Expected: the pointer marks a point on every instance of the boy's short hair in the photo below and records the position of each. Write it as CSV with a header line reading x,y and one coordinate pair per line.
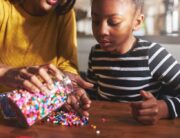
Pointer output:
x,y
139,5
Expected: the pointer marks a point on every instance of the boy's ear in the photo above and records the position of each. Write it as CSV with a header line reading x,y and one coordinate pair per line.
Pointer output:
x,y
138,22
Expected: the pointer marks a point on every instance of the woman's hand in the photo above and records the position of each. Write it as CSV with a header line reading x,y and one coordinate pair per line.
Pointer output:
x,y
78,100
31,78
78,81
150,110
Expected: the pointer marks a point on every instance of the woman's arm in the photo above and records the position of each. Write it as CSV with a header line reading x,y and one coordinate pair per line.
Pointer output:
x,y
1,12
67,44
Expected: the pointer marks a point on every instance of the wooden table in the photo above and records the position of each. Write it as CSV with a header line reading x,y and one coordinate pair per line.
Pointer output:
x,y
112,120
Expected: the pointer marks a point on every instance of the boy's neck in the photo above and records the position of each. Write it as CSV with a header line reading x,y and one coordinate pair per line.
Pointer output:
x,y
128,45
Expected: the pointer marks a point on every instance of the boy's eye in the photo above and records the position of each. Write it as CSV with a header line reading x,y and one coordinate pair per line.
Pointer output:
x,y
114,22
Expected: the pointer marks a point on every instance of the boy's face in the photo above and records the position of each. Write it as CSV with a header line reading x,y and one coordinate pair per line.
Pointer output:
x,y
113,23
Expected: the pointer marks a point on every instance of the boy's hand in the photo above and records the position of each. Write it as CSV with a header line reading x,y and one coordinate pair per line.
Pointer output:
x,y
150,110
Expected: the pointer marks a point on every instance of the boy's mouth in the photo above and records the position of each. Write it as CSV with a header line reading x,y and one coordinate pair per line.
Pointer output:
x,y
105,43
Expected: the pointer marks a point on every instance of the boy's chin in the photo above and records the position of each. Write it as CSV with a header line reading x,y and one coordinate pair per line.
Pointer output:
x,y
108,49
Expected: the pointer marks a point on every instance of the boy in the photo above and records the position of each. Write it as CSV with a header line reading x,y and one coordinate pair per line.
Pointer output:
x,y
127,69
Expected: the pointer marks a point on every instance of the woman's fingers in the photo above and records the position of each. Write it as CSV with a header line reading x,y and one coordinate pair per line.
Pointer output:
x,y
78,81
46,73
82,83
32,82
79,102
42,74
30,86
55,72
73,102
37,78
34,79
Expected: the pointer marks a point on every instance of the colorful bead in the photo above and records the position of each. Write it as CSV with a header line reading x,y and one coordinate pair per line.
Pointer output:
x,y
98,132
67,119
31,107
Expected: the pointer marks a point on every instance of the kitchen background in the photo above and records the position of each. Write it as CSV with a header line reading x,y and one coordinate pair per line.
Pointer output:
x,y
162,25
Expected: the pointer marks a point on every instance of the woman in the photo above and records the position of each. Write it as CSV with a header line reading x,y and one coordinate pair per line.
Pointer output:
x,y
37,40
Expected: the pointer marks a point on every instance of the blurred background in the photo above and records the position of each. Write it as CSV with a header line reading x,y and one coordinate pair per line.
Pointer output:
x,y
162,25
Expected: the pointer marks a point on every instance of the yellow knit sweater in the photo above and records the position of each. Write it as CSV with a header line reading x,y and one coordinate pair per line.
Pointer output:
x,y
27,40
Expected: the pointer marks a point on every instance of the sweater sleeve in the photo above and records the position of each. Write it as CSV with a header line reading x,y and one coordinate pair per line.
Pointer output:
x,y
67,47
2,11
167,70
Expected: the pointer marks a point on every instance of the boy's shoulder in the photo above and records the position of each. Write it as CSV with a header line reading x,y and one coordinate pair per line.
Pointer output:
x,y
140,45
95,47
146,44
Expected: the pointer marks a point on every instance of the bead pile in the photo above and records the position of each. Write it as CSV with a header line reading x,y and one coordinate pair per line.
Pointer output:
x,y
67,119
31,107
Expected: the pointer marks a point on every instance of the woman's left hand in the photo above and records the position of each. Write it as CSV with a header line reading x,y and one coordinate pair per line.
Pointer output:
x,y
78,100
150,110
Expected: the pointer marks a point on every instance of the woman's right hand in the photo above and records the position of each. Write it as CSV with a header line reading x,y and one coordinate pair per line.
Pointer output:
x,y
31,78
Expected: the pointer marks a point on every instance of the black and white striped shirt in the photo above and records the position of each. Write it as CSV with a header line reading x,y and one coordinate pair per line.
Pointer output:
x,y
147,66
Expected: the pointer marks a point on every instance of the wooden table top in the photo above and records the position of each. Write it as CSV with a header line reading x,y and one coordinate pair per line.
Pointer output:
x,y
112,120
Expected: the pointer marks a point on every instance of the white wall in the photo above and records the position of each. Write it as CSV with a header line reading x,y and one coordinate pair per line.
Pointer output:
x,y
174,49
85,44
84,47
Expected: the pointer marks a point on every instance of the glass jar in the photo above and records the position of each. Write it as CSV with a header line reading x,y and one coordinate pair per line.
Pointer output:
x,y
29,107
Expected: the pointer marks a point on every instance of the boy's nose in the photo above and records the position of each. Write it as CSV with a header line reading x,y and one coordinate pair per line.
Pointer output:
x,y
103,29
